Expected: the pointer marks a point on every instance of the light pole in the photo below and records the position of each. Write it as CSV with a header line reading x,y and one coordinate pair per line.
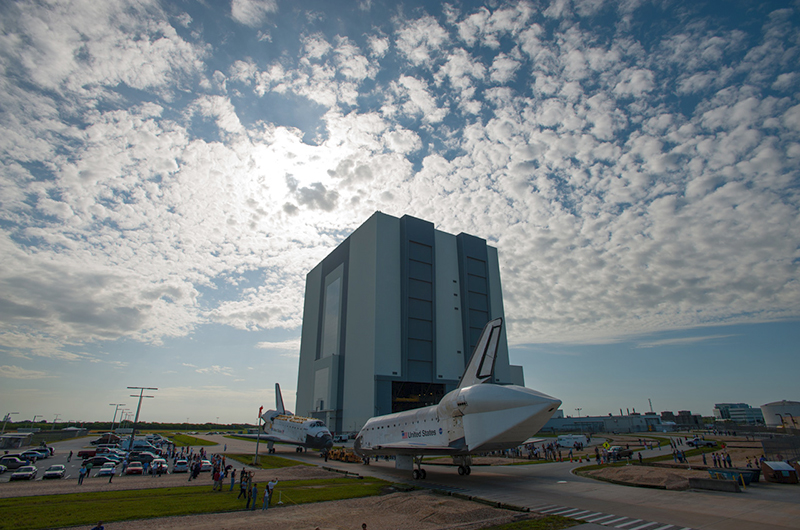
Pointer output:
x,y
5,420
33,421
580,425
54,422
141,395
258,436
116,408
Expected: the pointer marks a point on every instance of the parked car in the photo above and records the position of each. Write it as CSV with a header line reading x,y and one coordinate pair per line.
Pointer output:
x,y
55,471
12,462
109,468
134,468
25,473
699,442
159,463
205,465
98,461
87,453
181,466
142,456
33,455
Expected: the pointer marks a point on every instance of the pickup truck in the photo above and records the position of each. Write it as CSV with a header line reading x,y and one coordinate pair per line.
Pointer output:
x,y
699,442
618,452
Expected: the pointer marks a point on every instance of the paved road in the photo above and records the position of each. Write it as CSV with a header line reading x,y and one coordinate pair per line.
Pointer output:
x,y
552,488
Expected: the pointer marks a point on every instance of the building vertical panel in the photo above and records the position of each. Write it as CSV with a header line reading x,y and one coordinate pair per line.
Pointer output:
x,y
473,269
450,352
308,342
417,273
361,352
502,374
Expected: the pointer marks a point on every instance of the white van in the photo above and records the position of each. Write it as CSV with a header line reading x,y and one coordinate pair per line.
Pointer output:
x,y
569,440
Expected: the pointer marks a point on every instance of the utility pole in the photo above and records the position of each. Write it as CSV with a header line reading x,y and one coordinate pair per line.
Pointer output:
x,y
5,420
34,419
54,422
117,406
141,395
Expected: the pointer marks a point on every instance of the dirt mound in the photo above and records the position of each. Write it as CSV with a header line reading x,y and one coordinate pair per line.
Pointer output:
x,y
671,479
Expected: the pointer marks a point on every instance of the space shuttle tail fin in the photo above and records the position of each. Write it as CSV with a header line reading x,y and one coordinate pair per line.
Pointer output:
x,y
481,365
279,400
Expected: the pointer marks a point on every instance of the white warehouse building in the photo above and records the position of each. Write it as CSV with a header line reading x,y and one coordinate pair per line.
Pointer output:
x,y
782,414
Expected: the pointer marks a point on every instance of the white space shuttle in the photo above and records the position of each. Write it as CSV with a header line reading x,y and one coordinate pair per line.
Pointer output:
x,y
284,427
477,416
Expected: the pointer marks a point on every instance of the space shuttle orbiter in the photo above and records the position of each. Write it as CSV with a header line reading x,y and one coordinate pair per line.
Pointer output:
x,y
478,416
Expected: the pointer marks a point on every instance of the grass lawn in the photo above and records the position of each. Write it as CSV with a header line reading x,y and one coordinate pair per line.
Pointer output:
x,y
184,440
266,461
52,511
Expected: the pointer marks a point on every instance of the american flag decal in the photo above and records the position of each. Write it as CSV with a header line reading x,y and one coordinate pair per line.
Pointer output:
x,y
404,434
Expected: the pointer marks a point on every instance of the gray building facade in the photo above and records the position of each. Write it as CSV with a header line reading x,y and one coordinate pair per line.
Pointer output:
x,y
390,319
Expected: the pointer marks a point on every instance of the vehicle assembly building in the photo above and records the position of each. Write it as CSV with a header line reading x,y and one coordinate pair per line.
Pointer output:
x,y
390,319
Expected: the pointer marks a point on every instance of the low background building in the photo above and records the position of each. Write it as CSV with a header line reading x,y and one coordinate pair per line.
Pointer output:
x,y
627,423
738,413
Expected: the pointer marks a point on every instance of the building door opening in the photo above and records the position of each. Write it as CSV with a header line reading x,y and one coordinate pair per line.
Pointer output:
x,y
409,395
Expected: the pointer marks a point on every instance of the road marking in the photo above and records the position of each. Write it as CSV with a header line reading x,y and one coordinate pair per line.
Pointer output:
x,y
599,519
614,521
579,513
623,525
664,527
642,526
588,515
543,506
551,509
565,512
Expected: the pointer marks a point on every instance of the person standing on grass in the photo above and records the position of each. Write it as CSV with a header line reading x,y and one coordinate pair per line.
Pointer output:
x,y
233,478
254,495
268,493
249,499
242,486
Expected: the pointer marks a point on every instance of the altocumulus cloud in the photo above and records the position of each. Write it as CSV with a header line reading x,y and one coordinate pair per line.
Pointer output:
x,y
636,175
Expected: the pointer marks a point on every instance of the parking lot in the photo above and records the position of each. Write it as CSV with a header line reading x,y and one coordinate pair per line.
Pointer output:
x,y
72,467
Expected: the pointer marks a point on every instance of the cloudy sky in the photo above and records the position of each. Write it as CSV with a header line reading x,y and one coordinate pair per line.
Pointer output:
x,y
170,171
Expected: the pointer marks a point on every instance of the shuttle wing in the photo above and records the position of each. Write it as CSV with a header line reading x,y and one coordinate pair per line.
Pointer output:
x,y
481,364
